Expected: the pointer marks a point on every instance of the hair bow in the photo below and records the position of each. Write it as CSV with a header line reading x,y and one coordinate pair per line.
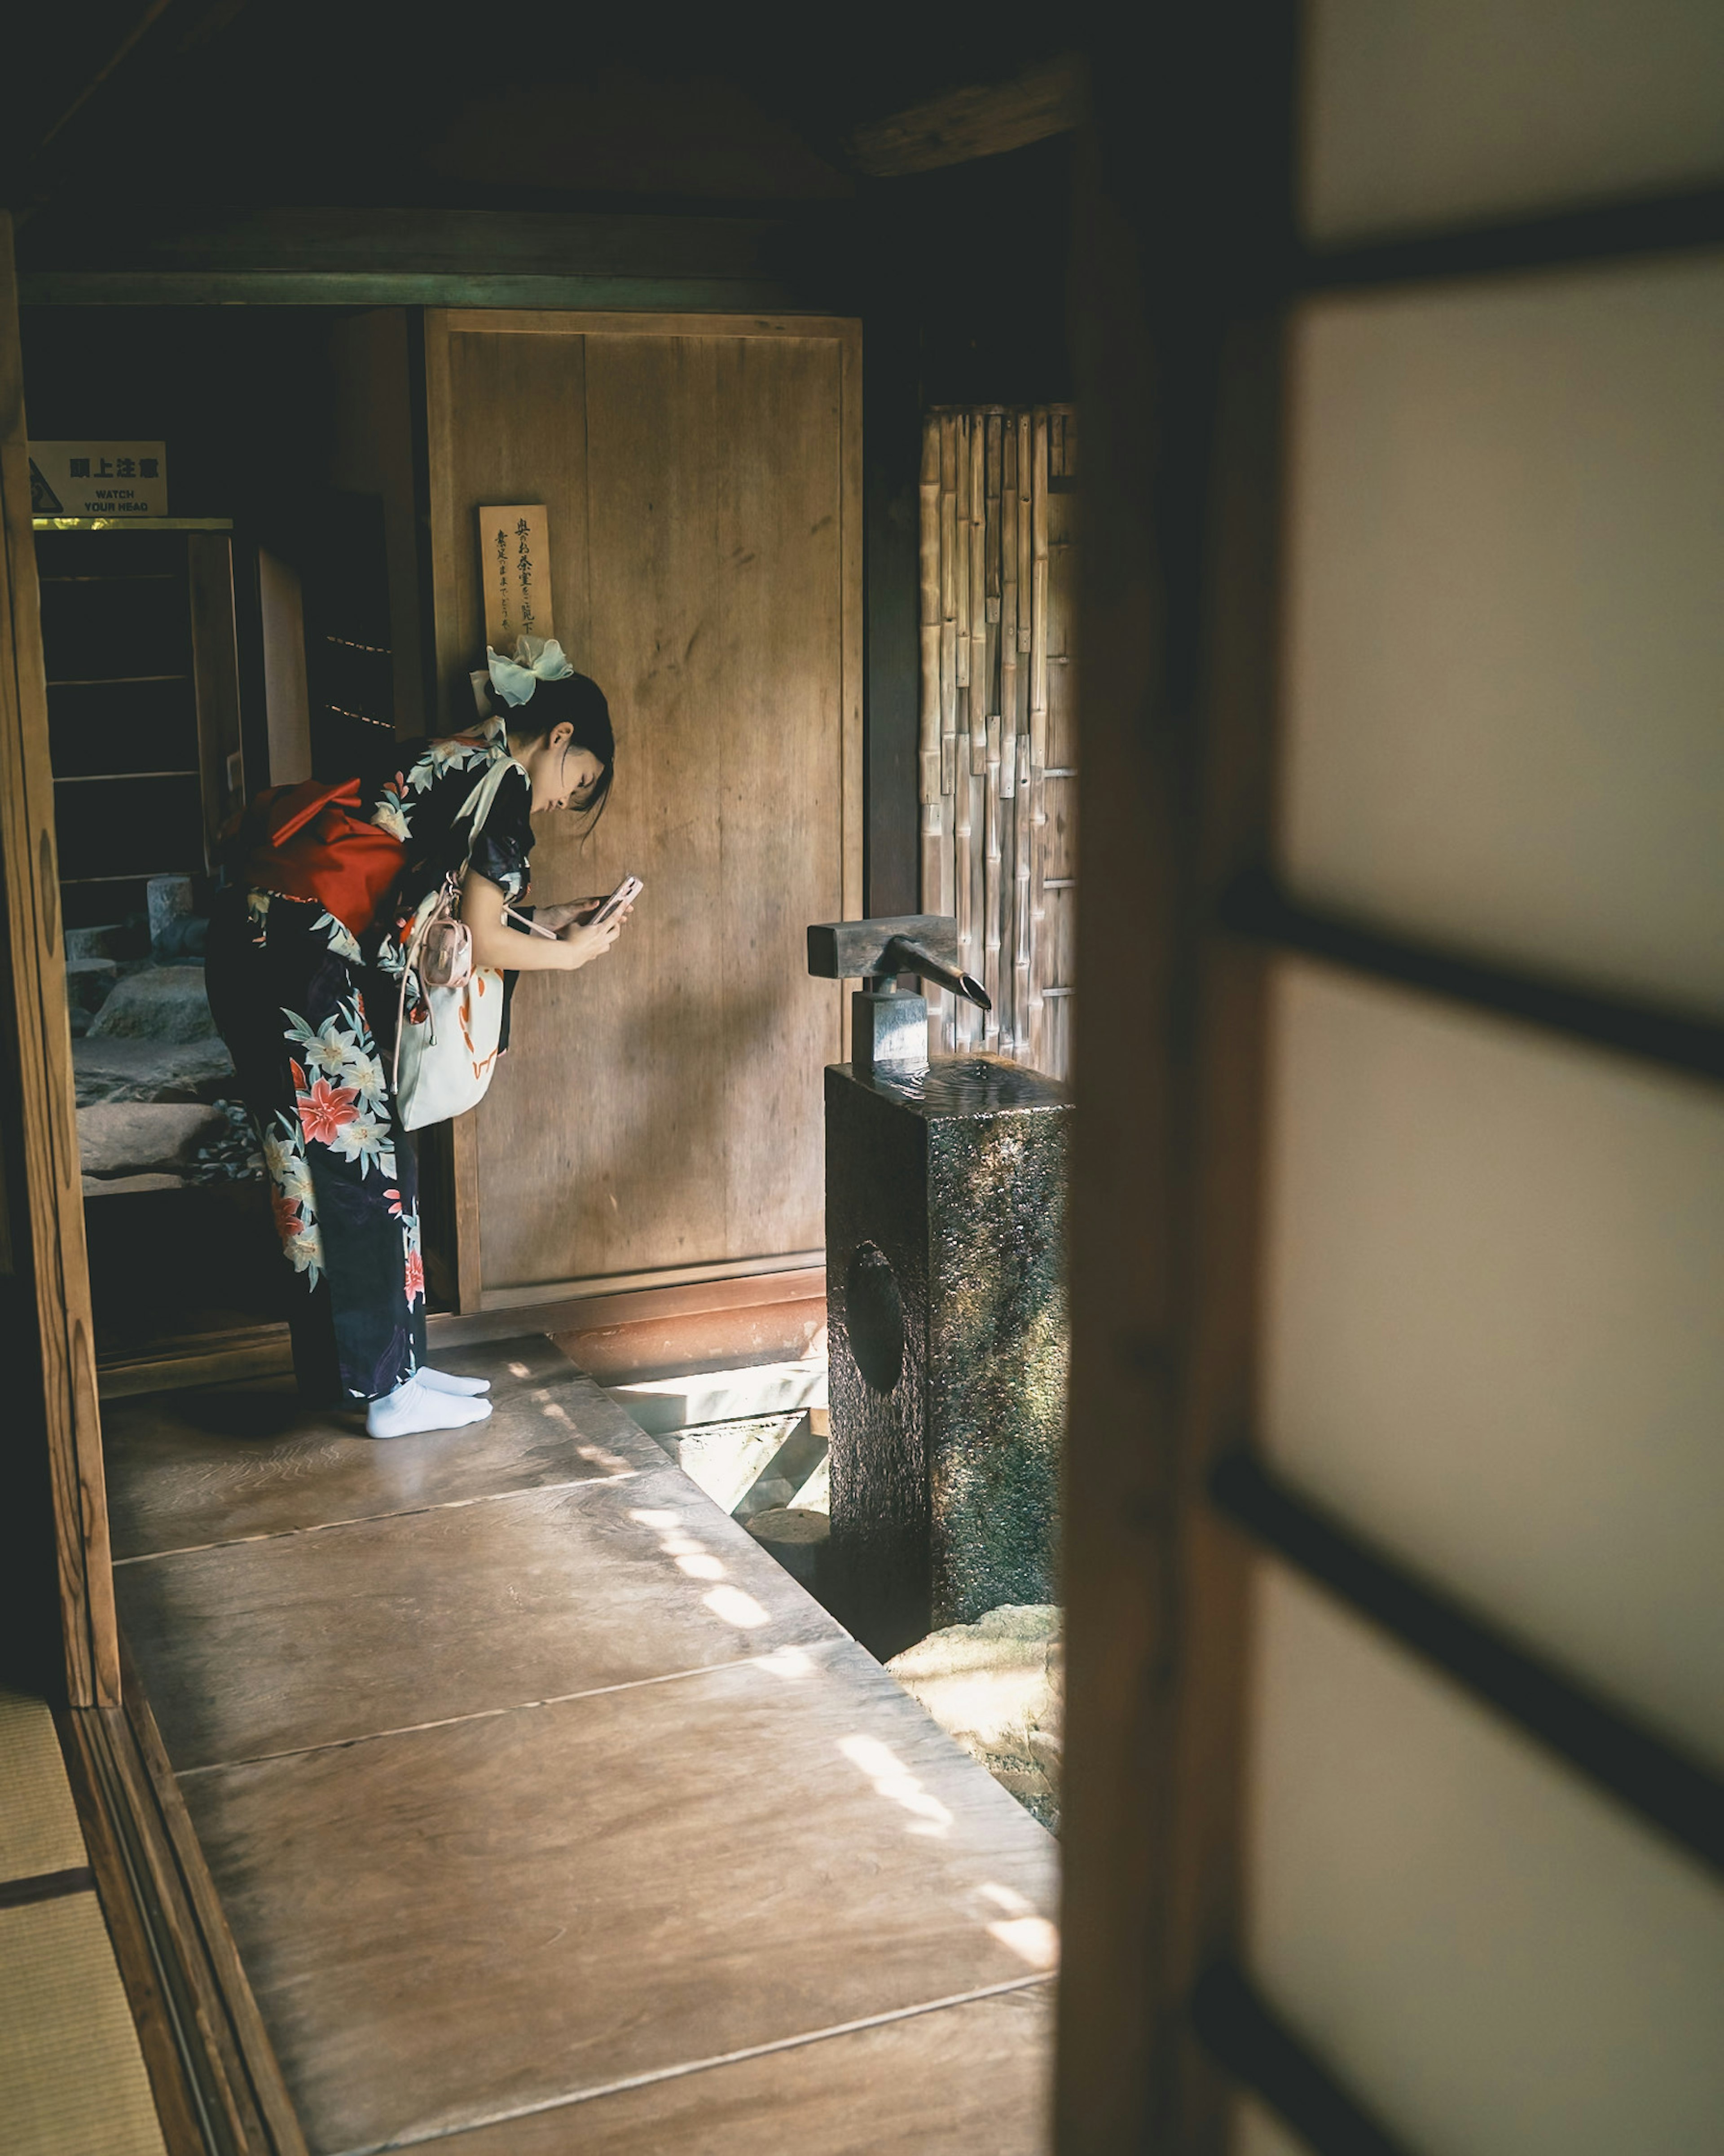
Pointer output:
x,y
535,660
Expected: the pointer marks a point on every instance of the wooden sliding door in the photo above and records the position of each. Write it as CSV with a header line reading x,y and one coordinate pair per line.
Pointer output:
x,y
1395,1809
658,1116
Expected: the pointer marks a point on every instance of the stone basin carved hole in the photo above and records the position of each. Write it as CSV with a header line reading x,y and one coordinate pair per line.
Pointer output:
x,y
874,1314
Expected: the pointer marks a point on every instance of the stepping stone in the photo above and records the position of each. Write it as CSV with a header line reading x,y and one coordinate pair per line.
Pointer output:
x,y
90,943
161,1002
797,1539
90,982
116,1069
130,1138
997,1687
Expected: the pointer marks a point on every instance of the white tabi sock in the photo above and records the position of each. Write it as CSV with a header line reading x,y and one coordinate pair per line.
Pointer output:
x,y
445,1381
412,1406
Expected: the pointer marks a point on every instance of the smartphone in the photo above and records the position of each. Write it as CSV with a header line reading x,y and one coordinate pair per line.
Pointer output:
x,y
625,894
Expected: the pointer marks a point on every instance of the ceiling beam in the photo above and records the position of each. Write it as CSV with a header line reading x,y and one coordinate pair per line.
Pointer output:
x,y
980,120
434,258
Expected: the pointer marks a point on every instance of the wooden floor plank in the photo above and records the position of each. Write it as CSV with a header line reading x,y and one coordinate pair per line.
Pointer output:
x,y
972,2079
255,1648
224,1462
444,1926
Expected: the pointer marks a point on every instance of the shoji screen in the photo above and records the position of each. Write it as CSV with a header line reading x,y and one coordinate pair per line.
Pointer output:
x,y
1494,1309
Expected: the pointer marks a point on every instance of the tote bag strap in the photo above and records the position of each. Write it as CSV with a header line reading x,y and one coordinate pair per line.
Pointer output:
x,y
478,804
475,808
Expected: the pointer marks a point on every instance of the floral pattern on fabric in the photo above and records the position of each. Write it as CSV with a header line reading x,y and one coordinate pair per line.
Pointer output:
x,y
415,1270
390,813
341,938
291,1198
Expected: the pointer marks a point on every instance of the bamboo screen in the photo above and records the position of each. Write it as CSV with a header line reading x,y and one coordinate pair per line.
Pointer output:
x,y
998,734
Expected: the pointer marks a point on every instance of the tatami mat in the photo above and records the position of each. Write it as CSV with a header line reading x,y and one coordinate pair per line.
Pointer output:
x,y
38,1823
72,2080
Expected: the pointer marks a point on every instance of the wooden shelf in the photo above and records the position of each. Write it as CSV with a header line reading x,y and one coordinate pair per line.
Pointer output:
x,y
116,680
113,778
131,876
131,523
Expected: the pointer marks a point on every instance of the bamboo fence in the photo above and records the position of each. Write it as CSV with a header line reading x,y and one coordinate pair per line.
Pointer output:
x,y
997,733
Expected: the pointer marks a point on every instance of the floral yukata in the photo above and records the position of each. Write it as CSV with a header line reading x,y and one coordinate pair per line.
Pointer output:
x,y
308,1009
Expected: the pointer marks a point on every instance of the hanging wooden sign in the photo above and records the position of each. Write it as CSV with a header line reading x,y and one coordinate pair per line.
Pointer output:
x,y
514,568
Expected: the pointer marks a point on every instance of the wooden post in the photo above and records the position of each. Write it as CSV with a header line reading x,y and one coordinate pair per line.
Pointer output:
x,y
1191,159
215,673
929,714
43,1241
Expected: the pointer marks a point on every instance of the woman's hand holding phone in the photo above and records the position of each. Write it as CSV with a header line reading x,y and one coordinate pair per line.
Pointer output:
x,y
589,926
557,917
584,940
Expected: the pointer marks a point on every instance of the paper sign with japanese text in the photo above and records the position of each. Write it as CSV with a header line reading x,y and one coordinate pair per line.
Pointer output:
x,y
98,479
515,565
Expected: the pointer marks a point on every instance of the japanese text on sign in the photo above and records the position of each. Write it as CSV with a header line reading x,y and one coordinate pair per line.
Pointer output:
x,y
515,555
98,479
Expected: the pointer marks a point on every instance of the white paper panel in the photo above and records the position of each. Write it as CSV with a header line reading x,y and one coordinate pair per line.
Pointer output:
x,y
1494,1960
1494,1329
1431,112
1506,664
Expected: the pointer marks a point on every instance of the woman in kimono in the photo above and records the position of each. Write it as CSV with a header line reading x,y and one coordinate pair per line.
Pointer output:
x,y
306,966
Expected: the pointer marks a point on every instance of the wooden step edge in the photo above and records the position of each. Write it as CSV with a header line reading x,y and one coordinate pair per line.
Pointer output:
x,y
265,1351
213,1358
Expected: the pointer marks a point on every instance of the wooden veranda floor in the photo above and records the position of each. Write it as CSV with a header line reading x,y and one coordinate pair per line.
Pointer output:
x,y
548,1814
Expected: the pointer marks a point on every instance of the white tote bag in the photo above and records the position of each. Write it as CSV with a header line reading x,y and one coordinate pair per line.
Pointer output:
x,y
444,1058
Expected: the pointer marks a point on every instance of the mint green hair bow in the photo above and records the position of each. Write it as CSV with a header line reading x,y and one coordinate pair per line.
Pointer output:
x,y
535,660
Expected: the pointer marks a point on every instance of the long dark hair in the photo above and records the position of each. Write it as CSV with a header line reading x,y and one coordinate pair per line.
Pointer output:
x,y
579,702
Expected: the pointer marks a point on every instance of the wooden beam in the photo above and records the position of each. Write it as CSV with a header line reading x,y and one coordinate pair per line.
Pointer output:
x,y
981,120
316,288
1183,195
457,258
423,242
47,1203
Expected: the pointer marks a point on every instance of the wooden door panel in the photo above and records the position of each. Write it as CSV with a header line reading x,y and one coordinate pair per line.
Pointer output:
x,y
660,1111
